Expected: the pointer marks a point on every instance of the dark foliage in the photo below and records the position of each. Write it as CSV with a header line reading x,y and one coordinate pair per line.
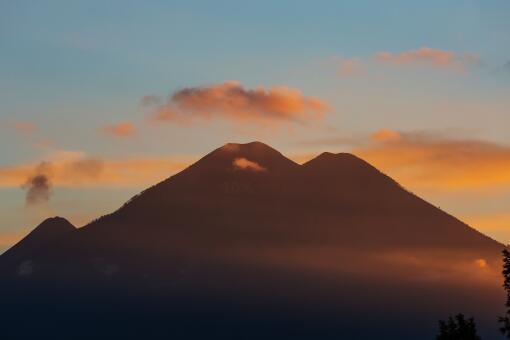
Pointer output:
x,y
505,320
457,328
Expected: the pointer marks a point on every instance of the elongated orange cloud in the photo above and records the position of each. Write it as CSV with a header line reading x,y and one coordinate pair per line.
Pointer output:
x,y
25,127
423,160
231,101
427,56
78,170
123,129
386,135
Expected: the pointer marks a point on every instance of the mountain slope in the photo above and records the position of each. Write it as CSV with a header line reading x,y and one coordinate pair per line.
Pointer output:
x,y
45,236
243,224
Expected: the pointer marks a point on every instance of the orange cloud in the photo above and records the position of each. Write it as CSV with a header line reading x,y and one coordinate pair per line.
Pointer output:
x,y
73,169
25,127
385,135
245,164
231,101
422,160
427,56
123,129
351,67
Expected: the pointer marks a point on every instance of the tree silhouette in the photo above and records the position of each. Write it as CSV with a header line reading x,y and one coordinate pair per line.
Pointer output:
x,y
505,320
457,328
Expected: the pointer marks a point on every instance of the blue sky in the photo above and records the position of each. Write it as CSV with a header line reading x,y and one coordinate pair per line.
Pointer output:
x,y
70,68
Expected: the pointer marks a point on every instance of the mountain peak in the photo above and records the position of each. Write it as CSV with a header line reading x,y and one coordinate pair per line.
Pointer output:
x,y
50,229
44,235
347,169
55,223
252,155
343,159
254,149
249,145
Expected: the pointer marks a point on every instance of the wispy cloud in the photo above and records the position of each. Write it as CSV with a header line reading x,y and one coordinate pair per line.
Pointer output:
x,y
426,56
231,101
434,161
76,169
386,135
439,161
66,165
351,67
123,129
423,57
26,128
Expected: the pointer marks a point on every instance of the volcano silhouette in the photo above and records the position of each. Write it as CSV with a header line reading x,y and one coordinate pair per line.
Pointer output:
x,y
247,244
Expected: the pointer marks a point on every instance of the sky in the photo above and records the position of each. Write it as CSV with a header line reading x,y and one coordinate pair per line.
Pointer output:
x,y
99,100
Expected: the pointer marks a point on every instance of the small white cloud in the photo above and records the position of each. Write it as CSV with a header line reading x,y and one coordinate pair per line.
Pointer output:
x,y
245,164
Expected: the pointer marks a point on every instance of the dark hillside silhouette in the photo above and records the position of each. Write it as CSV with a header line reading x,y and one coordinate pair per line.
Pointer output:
x,y
505,320
45,236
